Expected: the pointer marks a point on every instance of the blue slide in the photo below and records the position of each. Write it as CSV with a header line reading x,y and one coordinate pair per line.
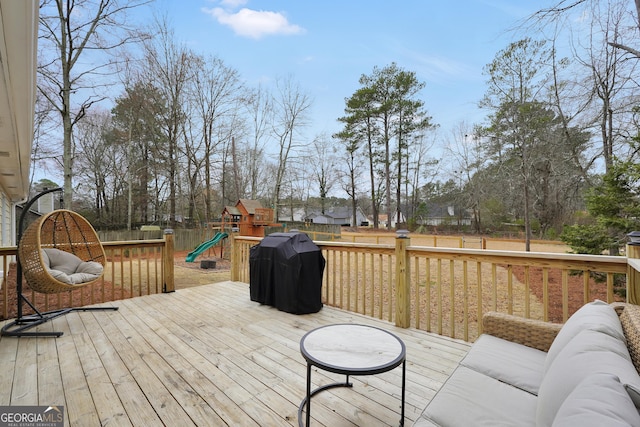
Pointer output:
x,y
206,245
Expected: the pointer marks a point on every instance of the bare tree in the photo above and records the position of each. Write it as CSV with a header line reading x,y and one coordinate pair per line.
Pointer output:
x,y
563,7
291,108
169,70
351,174
229,174
71,30
101,165
322,166
604,89
259,105
43,151
466,159
610,77
215,91
420,169
571,100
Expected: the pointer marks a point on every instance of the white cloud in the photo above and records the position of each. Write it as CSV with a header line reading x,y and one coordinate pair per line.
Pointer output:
x,y
253,23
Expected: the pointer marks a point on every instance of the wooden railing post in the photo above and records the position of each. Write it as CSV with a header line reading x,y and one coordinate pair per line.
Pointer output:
x,y
633,275
235,259
169,284
403,290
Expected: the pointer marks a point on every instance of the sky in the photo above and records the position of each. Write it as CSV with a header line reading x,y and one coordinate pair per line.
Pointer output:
x,y
326,45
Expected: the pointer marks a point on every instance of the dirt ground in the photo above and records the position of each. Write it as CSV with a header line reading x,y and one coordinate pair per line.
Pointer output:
x,y
189,274
597,290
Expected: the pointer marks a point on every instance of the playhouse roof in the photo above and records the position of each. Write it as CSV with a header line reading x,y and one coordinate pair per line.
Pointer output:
x,y
250,205
232,210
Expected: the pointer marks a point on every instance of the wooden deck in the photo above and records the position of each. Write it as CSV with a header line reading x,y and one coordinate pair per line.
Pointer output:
x,y
208,356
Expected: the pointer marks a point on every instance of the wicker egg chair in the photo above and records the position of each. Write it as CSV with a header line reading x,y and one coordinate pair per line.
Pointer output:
x,y
60,229
64,230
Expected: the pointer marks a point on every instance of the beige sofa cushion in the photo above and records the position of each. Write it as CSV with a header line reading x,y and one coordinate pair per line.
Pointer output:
x,y
514,364
589,352
599,400
470,398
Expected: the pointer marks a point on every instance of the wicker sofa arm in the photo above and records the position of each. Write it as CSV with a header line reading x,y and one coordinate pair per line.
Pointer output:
x,y
529,332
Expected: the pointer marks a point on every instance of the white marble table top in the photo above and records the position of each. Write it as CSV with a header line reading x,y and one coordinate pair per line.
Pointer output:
x,y
352,347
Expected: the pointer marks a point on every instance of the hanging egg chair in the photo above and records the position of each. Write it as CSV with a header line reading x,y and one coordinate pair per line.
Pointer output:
x,y
59,252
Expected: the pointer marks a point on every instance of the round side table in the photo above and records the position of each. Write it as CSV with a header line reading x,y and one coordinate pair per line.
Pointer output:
x,y
350,349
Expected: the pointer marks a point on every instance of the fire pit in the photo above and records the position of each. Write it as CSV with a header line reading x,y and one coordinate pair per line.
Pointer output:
x,y
207,263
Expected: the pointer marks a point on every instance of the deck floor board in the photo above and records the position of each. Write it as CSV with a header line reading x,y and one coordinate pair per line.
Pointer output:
x,y
208,355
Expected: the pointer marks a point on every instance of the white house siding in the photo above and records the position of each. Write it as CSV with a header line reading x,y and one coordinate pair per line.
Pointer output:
x,y
7,229
320,219
6,221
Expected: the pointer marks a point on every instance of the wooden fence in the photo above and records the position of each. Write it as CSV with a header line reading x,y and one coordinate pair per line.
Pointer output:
x,y
183,239
447,290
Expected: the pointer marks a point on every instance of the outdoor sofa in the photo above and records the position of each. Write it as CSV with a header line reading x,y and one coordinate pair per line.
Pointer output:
x,y
523,372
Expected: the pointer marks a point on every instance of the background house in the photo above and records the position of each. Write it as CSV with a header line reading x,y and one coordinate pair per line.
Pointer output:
x,y
338,216
445,215
291,215
383,220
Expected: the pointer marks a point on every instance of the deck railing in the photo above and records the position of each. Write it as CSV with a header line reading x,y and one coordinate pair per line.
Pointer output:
x,y
447,290
441,290
134,268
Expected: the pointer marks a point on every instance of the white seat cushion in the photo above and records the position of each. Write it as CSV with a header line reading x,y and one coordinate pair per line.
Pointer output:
x,y
90,267
469,398
512,363
68,268
60,260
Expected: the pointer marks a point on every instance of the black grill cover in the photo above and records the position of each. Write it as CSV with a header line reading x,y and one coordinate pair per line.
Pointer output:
x,y
285,271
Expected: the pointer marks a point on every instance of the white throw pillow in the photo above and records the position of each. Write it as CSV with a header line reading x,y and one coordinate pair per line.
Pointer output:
x,y
590,352
597,316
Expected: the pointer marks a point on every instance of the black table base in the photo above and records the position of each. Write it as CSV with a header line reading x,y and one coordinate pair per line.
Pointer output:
x,y
307,400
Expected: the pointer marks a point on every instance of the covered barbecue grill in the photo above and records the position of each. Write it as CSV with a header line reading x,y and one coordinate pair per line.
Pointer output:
x,y
286,272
